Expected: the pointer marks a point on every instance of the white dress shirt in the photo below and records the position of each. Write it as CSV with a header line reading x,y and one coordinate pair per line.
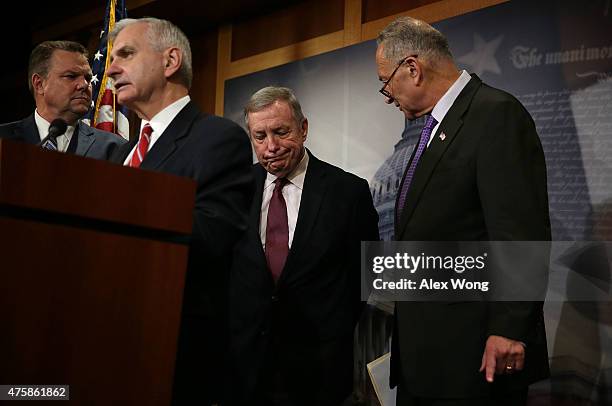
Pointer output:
x,y
43,130
292,192
446,102
159,123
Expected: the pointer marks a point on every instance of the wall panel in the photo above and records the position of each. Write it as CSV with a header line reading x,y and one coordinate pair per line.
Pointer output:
x,y
297,23
375,9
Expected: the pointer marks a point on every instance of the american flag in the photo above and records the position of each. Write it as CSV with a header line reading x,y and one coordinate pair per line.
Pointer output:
x,y
105,113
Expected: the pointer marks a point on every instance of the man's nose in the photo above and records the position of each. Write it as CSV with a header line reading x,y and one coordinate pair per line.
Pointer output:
x,y
113,70
273,144
83,84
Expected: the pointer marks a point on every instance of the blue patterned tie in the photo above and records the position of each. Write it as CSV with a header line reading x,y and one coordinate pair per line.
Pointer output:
x,y
50,144
430,123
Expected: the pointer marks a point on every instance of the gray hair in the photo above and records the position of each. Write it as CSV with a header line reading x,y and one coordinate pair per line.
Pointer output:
x,y
41,56
162,35
268,95
407,35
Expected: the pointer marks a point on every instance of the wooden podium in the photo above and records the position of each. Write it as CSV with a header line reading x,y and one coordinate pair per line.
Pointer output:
x,y
92,266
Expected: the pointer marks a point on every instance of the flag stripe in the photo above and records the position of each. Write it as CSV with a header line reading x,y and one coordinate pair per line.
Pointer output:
x,y
106,114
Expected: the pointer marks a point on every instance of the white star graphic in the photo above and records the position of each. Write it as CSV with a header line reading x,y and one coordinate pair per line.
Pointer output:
x,y
482,57
98,55
101,33
94,79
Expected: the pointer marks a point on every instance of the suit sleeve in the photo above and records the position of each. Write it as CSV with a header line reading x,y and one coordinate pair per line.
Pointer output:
x,y
511,179
112,145
364,228
225,188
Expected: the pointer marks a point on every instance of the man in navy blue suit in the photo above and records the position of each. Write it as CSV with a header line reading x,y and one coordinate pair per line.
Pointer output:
x,y
152,73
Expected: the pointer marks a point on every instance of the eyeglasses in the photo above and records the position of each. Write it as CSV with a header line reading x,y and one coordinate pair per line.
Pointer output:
x,y
383,90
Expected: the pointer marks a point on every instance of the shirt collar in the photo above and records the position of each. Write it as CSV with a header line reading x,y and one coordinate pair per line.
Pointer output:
x,y
446,101
43,127
296,177
162,120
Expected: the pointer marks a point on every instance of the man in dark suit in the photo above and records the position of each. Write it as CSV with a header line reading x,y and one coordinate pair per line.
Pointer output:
x,y
151,71
478,173
60,81
295,284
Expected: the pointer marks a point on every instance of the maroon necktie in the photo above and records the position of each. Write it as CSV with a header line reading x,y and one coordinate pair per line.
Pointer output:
x,y
277,231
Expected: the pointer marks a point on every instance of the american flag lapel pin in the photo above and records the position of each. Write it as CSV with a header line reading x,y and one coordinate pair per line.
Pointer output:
x,y
442,137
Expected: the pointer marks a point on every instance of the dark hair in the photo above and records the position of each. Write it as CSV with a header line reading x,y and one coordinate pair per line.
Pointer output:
x,y
42,53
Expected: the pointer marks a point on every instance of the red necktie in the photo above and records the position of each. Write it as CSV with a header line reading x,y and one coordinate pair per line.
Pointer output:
x,y
277,231
142,147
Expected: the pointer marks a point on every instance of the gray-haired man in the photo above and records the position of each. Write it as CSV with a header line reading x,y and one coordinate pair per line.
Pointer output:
x,y
478,173
295,284
151,71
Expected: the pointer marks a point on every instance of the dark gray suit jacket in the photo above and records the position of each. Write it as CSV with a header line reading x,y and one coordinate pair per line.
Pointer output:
x,y
91,142
306,320
486,180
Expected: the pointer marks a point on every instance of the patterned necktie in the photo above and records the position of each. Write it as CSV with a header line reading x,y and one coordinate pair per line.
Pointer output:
x,y
277,231
430,123
142,147
50,144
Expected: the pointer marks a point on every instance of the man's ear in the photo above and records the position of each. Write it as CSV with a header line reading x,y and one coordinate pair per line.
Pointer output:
x,y
37,84
304,129
415,70
173,58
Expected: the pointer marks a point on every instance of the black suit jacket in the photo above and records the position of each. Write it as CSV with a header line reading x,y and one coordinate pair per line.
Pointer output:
x,y
302,327
216,153
91,142
485,181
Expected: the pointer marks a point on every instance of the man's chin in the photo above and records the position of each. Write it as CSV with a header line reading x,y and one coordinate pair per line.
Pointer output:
x,y
80,110
409,115
123,97
277,171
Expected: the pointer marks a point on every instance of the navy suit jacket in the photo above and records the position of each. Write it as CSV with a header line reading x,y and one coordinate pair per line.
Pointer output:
x,y
216,153
91,142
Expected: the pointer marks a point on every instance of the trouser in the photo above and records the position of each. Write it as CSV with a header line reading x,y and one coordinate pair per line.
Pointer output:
x,y
518,398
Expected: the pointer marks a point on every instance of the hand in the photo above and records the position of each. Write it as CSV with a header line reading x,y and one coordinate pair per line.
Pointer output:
x,y
502,355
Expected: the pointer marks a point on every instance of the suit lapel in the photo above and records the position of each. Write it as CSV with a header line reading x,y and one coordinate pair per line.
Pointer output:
x,y
169,141
315,186
450,126
28,130
85,138
255,215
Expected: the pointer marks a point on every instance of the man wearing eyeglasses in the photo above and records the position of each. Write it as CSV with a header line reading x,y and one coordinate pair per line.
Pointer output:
x,y
477,173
